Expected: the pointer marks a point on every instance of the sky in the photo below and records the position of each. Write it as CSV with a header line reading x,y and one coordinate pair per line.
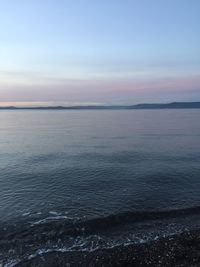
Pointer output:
x,y
99,52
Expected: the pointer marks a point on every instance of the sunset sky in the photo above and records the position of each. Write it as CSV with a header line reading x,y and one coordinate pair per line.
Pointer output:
x,y
108,51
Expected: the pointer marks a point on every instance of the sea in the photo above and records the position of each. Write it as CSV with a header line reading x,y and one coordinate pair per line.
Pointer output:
x,y
81,180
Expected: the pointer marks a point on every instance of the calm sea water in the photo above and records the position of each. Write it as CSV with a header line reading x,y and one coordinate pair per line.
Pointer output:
x,y
85,179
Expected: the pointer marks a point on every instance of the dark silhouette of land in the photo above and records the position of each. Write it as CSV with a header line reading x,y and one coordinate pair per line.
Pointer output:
x,y
173,105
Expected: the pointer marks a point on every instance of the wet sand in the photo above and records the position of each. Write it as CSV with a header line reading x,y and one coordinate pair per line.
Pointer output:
x,y
178,250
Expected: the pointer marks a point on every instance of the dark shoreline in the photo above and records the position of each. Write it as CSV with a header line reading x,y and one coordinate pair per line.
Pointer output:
x,y
177,250
173,105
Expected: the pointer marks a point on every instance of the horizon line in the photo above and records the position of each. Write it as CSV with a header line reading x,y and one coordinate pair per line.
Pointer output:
x,y
175,104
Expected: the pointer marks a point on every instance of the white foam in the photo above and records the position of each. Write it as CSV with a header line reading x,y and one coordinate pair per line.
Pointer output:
x,y
89,244
12,263
51,218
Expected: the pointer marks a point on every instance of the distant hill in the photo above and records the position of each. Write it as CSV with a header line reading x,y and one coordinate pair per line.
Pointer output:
x,y
174,105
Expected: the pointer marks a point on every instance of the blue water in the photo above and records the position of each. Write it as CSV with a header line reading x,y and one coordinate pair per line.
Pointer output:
x,y
105,173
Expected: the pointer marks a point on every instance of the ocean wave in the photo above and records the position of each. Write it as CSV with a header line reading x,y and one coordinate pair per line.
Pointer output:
x,y
86,244
62,233
61,225
107,223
